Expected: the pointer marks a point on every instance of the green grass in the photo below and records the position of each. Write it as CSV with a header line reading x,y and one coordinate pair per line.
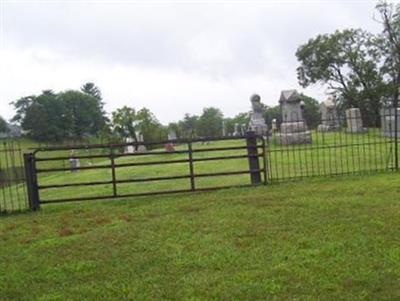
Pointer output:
x,y
321,239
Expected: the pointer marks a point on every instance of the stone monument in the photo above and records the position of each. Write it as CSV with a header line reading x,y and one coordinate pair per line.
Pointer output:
x,y
141,147
243,129
172,135
354,121
274,125
223,129
129,149
237,131
257,122
293,126
329,116
388,125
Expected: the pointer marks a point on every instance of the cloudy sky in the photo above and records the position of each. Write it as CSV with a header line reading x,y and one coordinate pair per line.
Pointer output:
x,y
170,56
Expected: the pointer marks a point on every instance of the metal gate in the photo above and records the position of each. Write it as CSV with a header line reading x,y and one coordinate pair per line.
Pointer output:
x,y
93,172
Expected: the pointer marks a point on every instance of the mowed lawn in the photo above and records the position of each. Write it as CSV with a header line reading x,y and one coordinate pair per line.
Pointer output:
x,y
320,239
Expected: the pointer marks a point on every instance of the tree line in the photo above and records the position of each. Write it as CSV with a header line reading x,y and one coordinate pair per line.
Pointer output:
x,y
77,114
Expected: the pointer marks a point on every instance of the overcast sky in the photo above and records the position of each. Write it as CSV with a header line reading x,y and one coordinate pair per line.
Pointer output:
x,y
170,56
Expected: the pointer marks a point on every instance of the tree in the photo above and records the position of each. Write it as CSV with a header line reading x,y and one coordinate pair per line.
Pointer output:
x,y
124,121
271,113
43,117
347,62
3,126
149,126
54,117
92,90
83,112
127,122
189,125
389,44
210,123
241,118
311,112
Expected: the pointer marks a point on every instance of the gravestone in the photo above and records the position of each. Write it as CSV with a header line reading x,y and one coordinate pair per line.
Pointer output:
x,y
243,129
172,135
257,122
74,162
329,116
141,148
223,129
388,125
354,121
237,131
129,149
293,126
274,125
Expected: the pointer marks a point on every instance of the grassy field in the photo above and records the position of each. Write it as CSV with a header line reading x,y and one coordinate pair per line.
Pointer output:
x,y
320,239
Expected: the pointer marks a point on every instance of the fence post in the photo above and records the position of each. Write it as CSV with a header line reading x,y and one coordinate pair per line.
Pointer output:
x,y
396,117
252,153
31,181
191,169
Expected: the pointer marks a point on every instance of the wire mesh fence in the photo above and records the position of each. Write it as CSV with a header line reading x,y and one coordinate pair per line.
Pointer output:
x,y
336,147
13,193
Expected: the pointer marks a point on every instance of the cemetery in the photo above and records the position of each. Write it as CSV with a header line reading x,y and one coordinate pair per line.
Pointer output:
x,y
235,151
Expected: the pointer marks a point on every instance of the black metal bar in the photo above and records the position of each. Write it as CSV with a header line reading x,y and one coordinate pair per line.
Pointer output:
x,y
226,157
142,194
191,167
230,173
177,141
396,153
31,181
114,185
254,164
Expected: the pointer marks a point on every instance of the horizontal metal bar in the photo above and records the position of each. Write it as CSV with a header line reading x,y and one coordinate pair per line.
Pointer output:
x,y
147,153
39,159
227,173
152,179
40,170
111,197
311,147
75,184
176,141
226,158
221,148
152,163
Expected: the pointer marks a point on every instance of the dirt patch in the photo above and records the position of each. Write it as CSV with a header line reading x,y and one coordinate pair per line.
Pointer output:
x,y
65,231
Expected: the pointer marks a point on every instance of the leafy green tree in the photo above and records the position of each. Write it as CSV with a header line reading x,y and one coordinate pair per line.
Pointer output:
x,y
210,123
54,117
43,117
92,90
83,113
3,126
311,112
348,63
149,126
389,44
125,123
241,118
177,128
189,125
271,113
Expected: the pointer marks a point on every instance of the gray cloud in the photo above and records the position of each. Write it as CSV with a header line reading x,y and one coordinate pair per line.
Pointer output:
x,y
228,45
